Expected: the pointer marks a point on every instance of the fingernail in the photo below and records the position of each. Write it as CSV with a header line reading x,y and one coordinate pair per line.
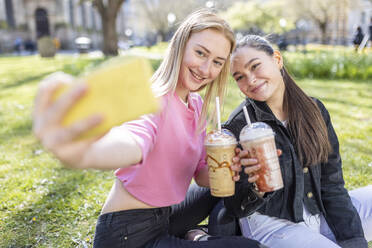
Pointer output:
x,y
98,118
81,87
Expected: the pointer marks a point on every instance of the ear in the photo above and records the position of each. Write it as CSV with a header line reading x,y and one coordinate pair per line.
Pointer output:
x,y
278,58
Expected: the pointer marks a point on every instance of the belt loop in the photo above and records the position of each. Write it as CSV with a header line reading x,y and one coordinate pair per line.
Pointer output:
x,y
158,213
109,218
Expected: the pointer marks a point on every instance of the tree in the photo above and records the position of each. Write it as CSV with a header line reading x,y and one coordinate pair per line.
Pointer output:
x,y
160,15
322,13
108,10
257,16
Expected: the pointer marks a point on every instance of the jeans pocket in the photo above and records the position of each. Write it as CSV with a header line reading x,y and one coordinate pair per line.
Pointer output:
x,y
108,236
139,233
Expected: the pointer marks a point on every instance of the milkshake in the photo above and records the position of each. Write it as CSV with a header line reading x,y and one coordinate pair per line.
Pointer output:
x,y
258,139
220,146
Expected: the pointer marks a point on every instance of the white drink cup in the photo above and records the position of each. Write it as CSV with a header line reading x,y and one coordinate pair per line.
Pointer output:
x,y
258,139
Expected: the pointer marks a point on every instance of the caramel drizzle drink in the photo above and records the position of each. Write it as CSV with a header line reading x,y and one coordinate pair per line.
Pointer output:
x,y
220,146
258,139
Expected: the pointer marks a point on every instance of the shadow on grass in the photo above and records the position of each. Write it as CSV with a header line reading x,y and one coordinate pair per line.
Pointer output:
x,y
54,216
81,66
19,130
336,100
361,148
72,68
26,80
342,114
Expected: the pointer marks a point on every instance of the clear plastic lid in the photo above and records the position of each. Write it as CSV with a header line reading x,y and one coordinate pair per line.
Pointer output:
x,y
255,131
223,137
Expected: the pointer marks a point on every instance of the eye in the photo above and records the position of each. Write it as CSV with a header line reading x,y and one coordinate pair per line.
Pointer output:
x,y
255,66
200,53
218,63
238,78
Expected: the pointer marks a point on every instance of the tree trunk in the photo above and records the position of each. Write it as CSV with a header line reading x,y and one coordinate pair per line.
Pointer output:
x,y
108,18
161,35
323,30
110,38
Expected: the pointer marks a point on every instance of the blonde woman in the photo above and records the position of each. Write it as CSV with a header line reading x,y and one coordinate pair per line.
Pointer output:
x,y
156,156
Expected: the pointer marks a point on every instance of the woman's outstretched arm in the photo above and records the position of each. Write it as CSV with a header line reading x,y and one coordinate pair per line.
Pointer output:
x,y
114,150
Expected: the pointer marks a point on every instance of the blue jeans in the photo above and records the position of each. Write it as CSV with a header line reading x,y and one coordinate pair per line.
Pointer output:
x,y
159,227
313,232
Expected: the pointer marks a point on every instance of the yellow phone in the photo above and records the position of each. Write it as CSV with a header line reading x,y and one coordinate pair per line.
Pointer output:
x,y
120,91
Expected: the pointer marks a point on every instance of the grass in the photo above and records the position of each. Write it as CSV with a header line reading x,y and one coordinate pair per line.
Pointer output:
x,y
43,204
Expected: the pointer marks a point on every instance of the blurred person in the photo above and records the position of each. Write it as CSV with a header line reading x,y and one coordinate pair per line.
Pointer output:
x,y
283,43
57,43
167,145
358,38
370,32
29,46
18,42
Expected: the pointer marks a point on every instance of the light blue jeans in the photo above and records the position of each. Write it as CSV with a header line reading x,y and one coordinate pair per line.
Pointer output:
x,y
313,232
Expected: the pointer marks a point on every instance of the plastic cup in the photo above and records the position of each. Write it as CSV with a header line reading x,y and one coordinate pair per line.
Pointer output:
x,y
258,139
220,146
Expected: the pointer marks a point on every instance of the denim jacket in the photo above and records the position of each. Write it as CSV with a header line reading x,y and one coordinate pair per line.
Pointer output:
x,y
328,193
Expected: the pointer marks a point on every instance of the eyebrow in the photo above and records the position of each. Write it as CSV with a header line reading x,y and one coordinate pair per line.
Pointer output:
x,y
245,65
224,59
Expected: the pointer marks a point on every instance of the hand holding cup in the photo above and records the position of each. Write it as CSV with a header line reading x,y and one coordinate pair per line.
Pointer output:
x,y
258,139
251,164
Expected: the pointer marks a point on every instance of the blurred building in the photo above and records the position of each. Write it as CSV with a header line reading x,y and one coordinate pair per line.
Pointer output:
x,y
347,16
360,16
68,19
62,19
347,19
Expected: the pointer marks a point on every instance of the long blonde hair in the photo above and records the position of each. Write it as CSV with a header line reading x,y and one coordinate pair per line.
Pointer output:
x,y
165,78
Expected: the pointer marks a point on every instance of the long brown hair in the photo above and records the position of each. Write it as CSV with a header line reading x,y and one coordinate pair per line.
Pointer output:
x,y
305,121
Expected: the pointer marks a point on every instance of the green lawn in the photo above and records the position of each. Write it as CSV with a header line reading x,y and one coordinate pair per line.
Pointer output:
x,y
44,205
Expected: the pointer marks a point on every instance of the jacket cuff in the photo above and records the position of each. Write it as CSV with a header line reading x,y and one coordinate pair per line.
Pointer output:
x,y
353,243
244,202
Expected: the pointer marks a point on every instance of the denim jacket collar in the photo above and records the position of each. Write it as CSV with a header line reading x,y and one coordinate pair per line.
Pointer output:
x,y
261,110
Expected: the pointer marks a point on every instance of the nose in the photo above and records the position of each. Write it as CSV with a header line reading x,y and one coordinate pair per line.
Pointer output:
x,y
251,78
204,68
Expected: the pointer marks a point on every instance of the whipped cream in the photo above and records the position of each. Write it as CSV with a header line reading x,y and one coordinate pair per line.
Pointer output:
x,y
223,137
255,131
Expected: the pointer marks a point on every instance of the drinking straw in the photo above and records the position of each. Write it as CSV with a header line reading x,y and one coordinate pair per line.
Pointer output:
x,y
218,113
246,116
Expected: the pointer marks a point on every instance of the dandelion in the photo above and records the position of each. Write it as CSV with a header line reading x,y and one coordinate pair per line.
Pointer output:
x,y
34,219
87,239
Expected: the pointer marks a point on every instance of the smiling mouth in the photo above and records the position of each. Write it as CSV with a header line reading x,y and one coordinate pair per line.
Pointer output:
x,y
196,76
256,89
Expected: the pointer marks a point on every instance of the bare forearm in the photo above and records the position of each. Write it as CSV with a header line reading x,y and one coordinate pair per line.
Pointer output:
x,y
113,151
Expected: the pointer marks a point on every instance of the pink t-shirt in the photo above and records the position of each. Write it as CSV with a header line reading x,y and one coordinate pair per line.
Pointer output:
x,y
172,152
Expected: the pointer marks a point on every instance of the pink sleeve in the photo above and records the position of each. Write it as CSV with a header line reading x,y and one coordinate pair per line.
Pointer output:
x,y
202,162
144,131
